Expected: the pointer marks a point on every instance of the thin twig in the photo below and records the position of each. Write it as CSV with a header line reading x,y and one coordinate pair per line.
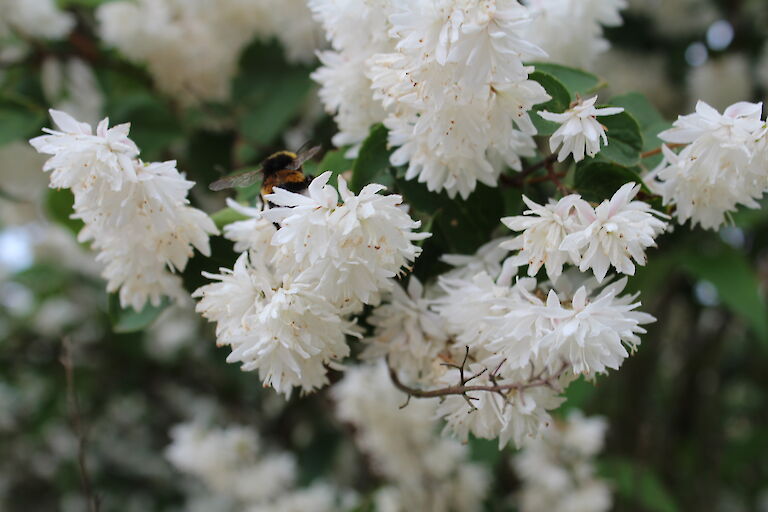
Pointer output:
x,y
76,422
462,389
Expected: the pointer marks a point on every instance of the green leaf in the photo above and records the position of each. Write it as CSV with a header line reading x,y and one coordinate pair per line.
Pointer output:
x,y
639,106
267,118
560,101
597,180
460,226
638,484
153,125
373,159
650,120
577,82
736,281
130,320
58,206
625,141
227,216
19,121
270,91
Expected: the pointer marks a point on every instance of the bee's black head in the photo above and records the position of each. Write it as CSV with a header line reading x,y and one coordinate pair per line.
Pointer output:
x,y
278,161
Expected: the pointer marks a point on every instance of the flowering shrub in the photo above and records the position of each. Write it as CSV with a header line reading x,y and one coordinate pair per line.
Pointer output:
x,y
492,238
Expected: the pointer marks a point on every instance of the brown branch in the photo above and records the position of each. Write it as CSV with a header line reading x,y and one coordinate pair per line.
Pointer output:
x,y
518,179
656,151
463,389
76,422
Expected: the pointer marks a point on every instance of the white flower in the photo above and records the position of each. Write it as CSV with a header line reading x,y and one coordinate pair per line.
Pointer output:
x,y
580,131
191,47
590,333
544,228
82,160
288,333
135,214
722,166
616,232
451,86
570,31
557,470
348,252
229,462
407,332
254,234
429,472
36,18
357,30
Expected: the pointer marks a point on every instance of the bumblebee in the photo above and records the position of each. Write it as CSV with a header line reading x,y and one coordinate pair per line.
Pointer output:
x,y
281,169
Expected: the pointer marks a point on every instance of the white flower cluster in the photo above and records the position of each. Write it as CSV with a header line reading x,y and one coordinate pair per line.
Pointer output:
x,y
136,214
557,469
570,230
580,131
426,471
533,338
230,462
478,326
284,307
450,82
571,31
35,18
191,47
723,164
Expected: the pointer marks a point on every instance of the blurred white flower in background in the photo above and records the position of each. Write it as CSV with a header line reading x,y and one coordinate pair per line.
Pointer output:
x,y
558,471
429,472
571,31
231,462
71,86
40,19
192,47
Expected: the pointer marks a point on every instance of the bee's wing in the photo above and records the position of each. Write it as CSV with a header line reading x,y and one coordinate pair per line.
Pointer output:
x,y
238,180
303,156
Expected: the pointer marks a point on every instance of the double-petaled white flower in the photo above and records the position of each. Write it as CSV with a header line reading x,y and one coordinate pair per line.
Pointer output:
x,y
571,231
283,330
723,164
347,251
136,214
580,132
615,233
544,228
